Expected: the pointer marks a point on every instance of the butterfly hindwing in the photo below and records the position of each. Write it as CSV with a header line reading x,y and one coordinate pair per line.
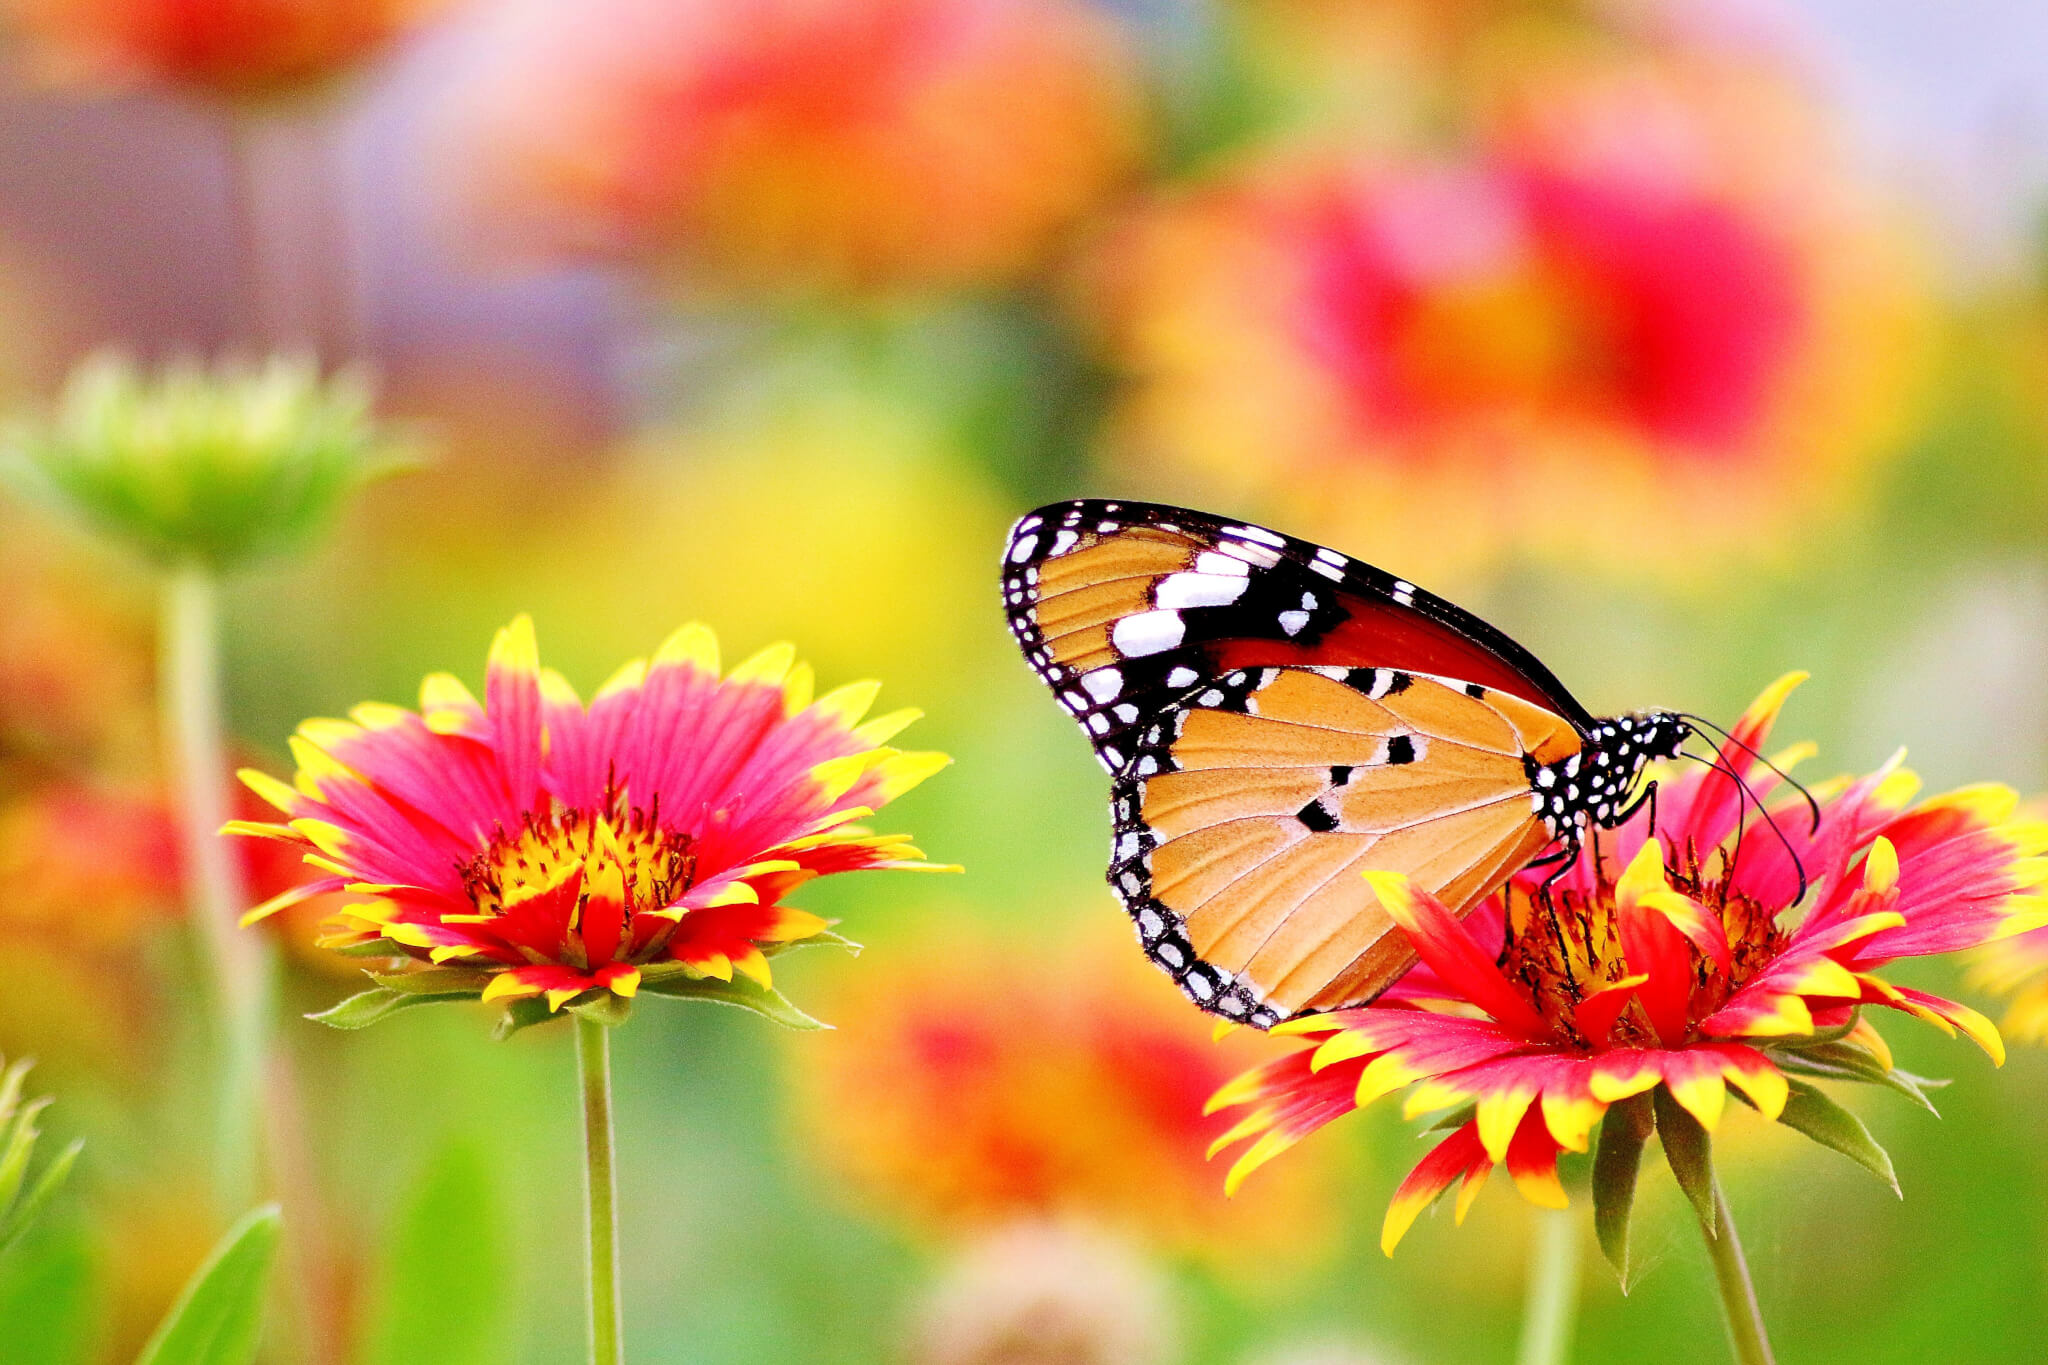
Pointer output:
x,y
1252,804
1120,607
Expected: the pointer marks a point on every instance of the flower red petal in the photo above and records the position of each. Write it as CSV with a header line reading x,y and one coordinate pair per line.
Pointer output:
x,y
1451,951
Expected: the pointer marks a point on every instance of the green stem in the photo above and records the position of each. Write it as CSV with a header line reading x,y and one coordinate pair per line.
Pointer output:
x,y
240,963
1738,1297
1553,1292
593,1056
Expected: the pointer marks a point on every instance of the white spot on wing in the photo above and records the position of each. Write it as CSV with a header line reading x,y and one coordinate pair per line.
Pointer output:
x,y
1021,551
1147,632
1258,533
1182,677
1103,683
1293,621
1182,590
1211,562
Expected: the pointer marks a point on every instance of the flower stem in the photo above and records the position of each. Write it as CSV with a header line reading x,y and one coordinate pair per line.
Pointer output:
x,y
593,1056
240,963
1738,1297
1553,1292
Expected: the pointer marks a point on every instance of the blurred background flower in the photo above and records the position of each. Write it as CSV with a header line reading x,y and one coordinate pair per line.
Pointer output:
x,y
1608,311
1046,1294
238,48
838,144
958,1098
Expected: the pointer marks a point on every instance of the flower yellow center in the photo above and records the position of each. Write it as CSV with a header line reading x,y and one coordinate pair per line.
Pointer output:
x,y
1562,946
624,856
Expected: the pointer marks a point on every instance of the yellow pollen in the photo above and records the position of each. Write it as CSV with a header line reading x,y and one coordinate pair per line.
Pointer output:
x,y
1563,946
626,857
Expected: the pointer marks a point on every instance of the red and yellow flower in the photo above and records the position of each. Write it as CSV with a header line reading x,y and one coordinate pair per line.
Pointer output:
x,y
1714,951
799,144
531,848
1612,290
957,1102
237,48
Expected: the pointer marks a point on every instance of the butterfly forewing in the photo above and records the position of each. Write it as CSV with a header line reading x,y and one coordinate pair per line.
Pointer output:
x,y
1121,607
1251,807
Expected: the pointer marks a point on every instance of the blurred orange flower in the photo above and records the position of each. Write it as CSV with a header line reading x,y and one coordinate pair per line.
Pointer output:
x,y
1643,298
971,1083
89,871
236,48
798,143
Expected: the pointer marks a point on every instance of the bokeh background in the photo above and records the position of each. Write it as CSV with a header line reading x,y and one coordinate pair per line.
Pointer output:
x,y
1688,340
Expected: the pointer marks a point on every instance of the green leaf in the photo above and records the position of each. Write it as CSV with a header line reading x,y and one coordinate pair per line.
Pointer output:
x,y
366,1008
1820,1118
218,1318
1688,1150
1623,1134
445,1269
1840,1061
16,1148
762,1000
17,1219
50,1310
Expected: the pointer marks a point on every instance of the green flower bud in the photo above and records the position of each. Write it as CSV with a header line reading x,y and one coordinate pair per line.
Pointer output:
x,y
215,465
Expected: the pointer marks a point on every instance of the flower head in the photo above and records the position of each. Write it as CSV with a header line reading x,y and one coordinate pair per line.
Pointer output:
x,y
236,48
534,850
956,1102
217,465
806,144
1619,304
1661,968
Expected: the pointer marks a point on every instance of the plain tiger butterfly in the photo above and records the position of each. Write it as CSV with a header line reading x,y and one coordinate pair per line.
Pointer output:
x,y
1278,718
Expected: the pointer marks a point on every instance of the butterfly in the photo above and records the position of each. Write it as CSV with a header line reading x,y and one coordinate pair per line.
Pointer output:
x,y
1278,718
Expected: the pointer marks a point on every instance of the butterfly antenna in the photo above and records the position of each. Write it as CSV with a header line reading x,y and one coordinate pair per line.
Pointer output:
x,y
1812,805
1742,790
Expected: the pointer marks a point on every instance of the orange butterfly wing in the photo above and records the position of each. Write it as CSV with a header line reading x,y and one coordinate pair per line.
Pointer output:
x,y
1253,805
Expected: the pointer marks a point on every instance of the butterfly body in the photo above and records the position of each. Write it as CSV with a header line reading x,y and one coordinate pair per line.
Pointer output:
x,y
1277,718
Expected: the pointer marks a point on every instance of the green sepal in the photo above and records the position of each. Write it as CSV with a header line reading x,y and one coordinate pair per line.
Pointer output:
x,y
218,1318
765,1001
1689,1151
604,1007
1624,1132
1809,1111
1457,1118
824,938
370,947
1841,1061
435,981
524,1013
368,1007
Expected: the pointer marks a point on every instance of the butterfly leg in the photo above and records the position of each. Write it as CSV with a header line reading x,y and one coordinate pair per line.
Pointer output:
x,y
1647,796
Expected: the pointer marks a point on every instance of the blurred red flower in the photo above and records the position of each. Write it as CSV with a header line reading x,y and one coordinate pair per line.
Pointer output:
x,y
798,143
1623,302
224,47
971,1083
